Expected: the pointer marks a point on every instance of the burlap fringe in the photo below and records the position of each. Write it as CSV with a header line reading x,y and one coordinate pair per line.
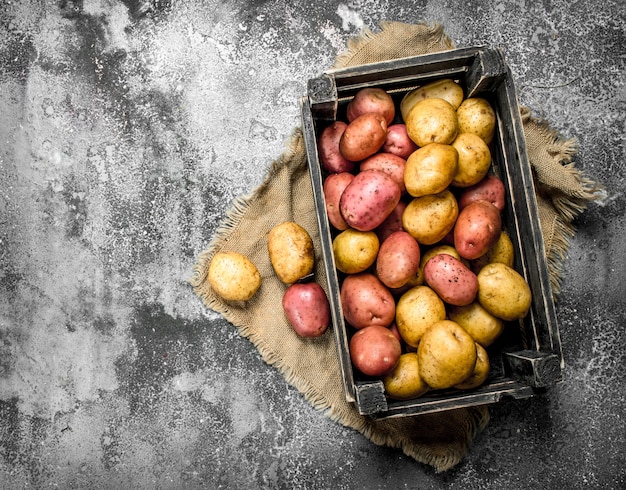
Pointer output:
x,y
355,44
567,206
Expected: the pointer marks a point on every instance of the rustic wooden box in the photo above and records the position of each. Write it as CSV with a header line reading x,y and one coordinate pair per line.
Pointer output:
x,y
527,358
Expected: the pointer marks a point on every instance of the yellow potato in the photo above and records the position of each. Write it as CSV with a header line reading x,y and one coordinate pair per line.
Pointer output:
x,y
475,115
446,355
354,250
478,322
233,276
446,89
416,310
503,291
291,251
430,218
474,159
480,372
502,251
404,381
432,121
430,169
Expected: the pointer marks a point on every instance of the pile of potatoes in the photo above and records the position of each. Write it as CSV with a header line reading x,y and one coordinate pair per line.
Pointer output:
x,y
426,267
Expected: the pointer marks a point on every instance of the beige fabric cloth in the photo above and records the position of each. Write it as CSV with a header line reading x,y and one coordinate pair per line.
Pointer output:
x,y
440,440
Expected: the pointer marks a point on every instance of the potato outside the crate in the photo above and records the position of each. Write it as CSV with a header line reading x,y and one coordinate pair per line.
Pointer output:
x,y
291,251
233,276
446,355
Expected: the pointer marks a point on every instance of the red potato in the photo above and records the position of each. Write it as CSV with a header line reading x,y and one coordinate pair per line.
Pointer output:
x,y
365,300
489,188
371,100
333,188
375,350
363,137
477,227
398,141
398,259
328,146
453,282
392,223
369,199
391,164
307,309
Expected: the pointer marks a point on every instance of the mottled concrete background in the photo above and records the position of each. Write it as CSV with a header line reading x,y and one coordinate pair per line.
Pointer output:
x,y
126,130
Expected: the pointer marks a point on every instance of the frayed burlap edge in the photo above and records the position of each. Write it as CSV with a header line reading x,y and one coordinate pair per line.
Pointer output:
x,y
558,208
439,40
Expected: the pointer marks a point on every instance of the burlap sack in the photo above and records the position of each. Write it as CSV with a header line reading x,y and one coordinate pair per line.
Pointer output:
x,y
312,366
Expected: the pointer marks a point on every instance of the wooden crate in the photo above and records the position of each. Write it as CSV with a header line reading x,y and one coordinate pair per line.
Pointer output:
x,y
527,358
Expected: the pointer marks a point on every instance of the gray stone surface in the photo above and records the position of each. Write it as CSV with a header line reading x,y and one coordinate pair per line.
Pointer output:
x,y
127,129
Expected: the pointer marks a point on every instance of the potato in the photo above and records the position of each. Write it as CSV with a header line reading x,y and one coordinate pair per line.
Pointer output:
x,y
371,100
430,218
475,115
490,188
502,251
392,223
388,163
233,276
328,146
445,89
333,188
480,372
503,292
451,280
446,355
478,322
432,121
477,228
439,249
307,309
474,159
430,169
369,199
404,382
365,300
363,137
354,250
291,251
398,259
374,350
416,310
398,141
